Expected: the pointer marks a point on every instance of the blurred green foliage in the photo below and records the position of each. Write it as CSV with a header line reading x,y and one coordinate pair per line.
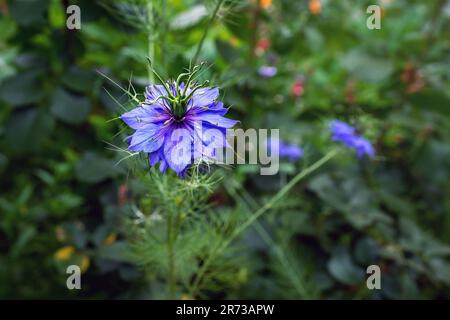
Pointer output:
x,y
64,193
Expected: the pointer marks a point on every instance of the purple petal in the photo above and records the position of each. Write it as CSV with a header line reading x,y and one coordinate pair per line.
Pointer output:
x,y
215,119
154,157
146,139
141,116
177,149
204,96
363,147
216,107
267,71
153,92
163,166
290,151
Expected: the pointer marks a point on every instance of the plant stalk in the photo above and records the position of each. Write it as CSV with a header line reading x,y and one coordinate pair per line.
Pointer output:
x,y
150,39
218,250
171,281
205,32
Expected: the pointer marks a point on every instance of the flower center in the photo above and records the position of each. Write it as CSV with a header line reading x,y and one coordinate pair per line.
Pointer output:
x,y
178,107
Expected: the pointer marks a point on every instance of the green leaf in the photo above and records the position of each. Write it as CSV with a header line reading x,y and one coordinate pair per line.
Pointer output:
x,y
7,57
70,108
28,130
56,14
7,28
92,168
23,239
79,80
343,269
21,89
431,100
118,251
29,12
366,251
189,18
364,66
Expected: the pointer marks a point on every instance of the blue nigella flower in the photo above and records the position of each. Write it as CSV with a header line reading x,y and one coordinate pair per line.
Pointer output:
x,y
346,134
267,71
178,124
290,151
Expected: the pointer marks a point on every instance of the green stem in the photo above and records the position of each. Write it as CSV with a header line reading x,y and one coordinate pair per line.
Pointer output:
x,y
205,32
250,203
171,259
151,44
173,228
164,32
219,249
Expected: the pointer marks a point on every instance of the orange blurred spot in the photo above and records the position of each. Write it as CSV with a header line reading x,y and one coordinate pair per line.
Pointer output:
x,y
314,6
265,3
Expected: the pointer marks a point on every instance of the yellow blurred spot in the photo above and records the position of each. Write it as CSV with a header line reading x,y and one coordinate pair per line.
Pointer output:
x,y
185,296
85,263
110,239
265,3
64,253
314,6
242,276
179,200
234,41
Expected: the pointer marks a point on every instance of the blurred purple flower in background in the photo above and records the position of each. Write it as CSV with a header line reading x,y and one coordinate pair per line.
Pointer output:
x,y
290,151
267,71
347,135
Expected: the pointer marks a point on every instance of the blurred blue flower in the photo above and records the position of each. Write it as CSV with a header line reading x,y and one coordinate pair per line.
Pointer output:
x,y
347,135
178,124
267,71
290,151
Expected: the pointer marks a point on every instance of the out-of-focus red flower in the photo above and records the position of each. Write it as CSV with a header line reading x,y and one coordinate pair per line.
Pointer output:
x,y
4,7
298,88
122,194
350,92
218,199
413,78
262,46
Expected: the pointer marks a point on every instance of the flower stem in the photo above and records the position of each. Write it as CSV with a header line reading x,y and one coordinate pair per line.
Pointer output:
x,y
205,32
171,279
150,39
252,218
249,203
